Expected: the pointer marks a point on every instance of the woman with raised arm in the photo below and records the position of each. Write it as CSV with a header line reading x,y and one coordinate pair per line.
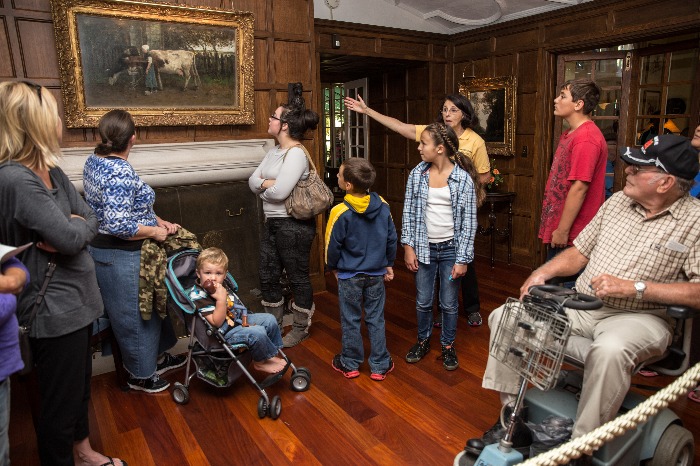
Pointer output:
x,y
286,241
39,204
456,112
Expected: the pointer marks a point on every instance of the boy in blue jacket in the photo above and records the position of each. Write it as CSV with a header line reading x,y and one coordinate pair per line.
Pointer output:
x,y
360,250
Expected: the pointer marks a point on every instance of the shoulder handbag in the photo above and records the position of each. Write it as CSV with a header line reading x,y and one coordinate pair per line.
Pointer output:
x,y
309,197
24,346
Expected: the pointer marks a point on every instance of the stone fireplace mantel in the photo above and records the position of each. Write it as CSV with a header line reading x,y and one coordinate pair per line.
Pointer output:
x,y
177,164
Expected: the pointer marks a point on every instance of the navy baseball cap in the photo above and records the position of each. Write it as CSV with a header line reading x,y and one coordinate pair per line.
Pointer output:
x,y
671,153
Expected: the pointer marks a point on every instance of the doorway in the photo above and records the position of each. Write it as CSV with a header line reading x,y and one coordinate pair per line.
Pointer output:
x,y
345,133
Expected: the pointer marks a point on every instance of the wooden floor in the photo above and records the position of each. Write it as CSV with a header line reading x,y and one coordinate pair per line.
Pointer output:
x,y
420,415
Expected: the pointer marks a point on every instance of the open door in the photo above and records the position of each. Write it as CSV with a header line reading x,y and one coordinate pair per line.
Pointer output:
x,y
356,124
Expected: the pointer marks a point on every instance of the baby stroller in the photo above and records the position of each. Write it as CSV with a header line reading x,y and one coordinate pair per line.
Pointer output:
x,y
215,361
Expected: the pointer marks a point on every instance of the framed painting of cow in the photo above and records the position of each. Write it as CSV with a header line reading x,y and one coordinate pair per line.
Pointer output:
x,y
169,65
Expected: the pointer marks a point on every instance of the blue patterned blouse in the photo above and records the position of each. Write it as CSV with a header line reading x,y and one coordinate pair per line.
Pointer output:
x,y
120,199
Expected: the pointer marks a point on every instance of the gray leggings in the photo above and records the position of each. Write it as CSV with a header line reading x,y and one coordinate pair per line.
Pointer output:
x,y
286,244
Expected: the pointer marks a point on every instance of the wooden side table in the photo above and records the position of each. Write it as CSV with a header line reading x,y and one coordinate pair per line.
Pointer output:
x,y
491,200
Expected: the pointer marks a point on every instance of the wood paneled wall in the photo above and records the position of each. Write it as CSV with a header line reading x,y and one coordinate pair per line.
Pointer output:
x,y
288,46
284,53
527,49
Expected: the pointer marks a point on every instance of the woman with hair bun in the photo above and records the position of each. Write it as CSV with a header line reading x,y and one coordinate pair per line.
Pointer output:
x,y
39,204
286,241
124,207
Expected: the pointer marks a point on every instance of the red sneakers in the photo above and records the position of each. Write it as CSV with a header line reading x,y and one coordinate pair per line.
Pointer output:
x,y
347,373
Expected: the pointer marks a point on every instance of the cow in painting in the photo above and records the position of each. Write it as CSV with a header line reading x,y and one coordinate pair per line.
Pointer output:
x,y
179,62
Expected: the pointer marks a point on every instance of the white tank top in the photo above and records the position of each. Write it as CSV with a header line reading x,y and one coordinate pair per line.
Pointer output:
x,y
438,215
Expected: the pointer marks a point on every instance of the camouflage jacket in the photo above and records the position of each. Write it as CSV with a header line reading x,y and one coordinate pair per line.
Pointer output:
x,y
153,295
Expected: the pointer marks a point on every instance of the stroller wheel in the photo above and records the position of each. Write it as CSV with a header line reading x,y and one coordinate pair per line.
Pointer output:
x,y
300,381
180,394
262,407
275,407
305,371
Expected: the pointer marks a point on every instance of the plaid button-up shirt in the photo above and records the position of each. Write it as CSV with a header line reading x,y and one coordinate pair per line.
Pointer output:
x,y
622,242
414,231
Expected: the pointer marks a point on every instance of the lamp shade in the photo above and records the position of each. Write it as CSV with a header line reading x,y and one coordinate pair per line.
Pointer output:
x,y
671,126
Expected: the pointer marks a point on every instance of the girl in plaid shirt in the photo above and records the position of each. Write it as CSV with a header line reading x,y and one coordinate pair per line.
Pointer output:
x,y
438,228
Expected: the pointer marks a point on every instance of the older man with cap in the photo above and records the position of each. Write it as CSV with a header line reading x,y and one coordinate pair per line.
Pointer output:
x,y
641,252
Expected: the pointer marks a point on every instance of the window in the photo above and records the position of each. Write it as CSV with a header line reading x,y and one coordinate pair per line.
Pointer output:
x,y
664,95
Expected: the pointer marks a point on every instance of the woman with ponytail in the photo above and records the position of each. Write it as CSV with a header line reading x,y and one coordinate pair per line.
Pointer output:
x,y
286,241
438,228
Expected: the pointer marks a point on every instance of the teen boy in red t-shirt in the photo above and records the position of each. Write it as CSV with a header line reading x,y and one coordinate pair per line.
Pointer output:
x,y
576,184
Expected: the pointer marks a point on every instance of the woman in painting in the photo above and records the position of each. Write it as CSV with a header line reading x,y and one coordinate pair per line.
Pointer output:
x,y
123,204
39,204
286,241
151,82
458,113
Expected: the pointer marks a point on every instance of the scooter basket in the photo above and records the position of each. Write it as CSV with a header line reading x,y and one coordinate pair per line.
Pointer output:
x,y
531,339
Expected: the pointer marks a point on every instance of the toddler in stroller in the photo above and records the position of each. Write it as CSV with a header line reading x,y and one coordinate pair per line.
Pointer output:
x,y
223,337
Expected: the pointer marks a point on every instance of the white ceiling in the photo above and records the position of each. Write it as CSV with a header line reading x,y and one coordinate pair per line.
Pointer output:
x,y
442,16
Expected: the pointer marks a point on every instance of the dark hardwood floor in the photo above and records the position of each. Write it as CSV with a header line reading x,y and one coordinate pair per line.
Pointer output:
x,y
420,415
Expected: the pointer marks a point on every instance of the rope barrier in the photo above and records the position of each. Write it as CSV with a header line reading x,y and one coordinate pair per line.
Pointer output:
x,y
593,440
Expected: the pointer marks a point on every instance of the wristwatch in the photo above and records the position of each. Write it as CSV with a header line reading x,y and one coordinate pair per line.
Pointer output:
x,y
640,287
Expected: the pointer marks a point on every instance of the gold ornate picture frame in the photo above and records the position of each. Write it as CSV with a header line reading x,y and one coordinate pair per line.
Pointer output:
x,y
494,105
201,62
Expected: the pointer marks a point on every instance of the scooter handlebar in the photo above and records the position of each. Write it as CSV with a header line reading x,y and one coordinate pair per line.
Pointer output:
x,y
566,297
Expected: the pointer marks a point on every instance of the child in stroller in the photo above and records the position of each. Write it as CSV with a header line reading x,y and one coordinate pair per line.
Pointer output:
x,y
224,311
224,338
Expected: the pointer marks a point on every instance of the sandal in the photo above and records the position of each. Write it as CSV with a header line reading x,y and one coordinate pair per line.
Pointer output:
x,y
111,462
647,373
694,395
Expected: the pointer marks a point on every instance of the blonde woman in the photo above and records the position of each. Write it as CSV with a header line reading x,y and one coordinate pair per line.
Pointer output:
x,y
39,204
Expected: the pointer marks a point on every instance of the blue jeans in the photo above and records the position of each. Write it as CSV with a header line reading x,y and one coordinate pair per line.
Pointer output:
x,y
4,421
262,337
351,294
140,341
442,259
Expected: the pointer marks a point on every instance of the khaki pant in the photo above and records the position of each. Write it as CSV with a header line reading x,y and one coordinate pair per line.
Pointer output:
x,y
621,340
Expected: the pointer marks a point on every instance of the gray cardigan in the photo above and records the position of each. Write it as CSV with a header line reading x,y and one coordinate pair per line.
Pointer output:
x,y
286,168
31,212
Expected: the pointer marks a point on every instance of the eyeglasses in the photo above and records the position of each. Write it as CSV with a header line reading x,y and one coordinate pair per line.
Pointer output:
x,y
453,110
274,117
638,168
36,87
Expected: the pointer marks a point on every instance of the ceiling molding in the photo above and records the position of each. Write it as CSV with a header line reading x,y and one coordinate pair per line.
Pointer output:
x,y
464,21
462,15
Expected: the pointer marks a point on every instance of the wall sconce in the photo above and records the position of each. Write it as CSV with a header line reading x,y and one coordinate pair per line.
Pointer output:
x,y
335,41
